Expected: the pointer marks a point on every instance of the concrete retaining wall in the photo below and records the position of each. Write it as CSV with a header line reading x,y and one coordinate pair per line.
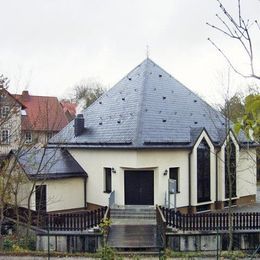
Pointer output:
x,y
210,242
69,243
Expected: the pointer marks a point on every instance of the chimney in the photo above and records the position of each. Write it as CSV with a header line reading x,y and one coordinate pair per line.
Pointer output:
x,y
78,125
25,95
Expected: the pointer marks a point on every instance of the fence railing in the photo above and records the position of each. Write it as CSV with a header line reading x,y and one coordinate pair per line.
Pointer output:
x,y
74,221
25,216
211,221
161,226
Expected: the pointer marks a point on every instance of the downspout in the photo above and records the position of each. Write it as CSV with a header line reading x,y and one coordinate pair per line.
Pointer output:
x,y
189,208
85,192
216,177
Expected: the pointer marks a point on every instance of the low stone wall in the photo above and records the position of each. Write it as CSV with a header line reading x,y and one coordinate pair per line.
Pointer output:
x,y
69,242
212,242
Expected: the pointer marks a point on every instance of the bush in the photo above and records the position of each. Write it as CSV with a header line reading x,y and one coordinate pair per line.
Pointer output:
x,y
107,253
8,244
13,243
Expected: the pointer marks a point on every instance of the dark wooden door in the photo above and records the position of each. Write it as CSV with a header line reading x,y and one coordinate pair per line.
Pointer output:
x,y
139,187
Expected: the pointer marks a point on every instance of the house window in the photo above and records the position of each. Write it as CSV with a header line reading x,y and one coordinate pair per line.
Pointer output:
x,y
203,172
28,137
49,135
40,198
174,175
5,111
230,168
5,137
108,180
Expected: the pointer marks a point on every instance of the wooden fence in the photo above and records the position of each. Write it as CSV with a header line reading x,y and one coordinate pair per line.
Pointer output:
x,y
74,221
211,221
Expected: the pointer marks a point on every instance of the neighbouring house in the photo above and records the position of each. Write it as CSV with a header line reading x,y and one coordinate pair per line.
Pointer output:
x,y
150,128
69,109
11,111
44,117
49,179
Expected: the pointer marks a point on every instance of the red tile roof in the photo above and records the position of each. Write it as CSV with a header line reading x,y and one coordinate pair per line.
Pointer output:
x,y
70,107
43,113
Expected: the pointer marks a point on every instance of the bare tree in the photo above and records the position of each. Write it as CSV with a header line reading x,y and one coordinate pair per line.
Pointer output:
x,y
240,30
88,92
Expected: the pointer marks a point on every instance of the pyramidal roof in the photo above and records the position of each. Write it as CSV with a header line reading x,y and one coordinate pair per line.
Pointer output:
x,y
147,108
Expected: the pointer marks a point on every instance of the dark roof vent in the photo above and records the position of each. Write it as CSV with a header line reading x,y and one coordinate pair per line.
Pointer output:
x,y
163,97
100,102
78,125
195,122
118,121
195,100
164,120
160,75
100,123
130,78
123,99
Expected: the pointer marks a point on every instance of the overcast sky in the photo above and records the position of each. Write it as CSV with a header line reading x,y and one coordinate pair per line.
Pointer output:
x,y
48,46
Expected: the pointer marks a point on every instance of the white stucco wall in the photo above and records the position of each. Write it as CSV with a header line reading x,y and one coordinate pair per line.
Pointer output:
x,y
62,194
246,172
94,161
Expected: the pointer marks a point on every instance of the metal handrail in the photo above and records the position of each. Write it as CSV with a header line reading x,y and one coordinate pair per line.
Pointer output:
x,y
111,199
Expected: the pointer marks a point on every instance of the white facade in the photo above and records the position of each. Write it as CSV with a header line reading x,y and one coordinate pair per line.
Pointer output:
x,y
93,161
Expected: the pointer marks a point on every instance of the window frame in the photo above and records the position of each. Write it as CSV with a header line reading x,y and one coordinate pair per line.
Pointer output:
x,y
28,140
178,178
203,171
5,140
5,110
107,180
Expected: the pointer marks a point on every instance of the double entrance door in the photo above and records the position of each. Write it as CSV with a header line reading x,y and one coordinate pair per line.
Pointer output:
x,y
139,188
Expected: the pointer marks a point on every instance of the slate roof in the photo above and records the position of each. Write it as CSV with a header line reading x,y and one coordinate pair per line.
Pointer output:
x,y
43,113
41,163
148,108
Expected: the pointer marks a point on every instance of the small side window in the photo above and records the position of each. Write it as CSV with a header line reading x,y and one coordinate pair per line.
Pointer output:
x,y
28,137
174,175
41,198
107,180
5,111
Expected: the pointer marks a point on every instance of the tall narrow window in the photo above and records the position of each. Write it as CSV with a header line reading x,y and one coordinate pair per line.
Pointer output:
x,y
107,180
203,172
41,198
174,175
5,137
230,169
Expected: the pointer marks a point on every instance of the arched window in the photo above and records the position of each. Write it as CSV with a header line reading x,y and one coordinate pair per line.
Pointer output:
x,y
230,169
203,171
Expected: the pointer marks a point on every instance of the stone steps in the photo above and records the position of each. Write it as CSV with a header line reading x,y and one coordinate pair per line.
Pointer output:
x,y
133,213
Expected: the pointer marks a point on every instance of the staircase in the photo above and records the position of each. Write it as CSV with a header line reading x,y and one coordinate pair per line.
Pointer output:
x,y
134,229
132,215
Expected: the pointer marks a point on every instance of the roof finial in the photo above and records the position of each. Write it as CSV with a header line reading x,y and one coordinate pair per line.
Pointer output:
x,y
147,51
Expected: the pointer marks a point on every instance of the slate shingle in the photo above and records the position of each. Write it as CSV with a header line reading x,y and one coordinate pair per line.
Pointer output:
x,y
146,108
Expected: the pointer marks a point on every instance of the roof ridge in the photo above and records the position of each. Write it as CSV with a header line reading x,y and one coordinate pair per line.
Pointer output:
x,y
141,105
